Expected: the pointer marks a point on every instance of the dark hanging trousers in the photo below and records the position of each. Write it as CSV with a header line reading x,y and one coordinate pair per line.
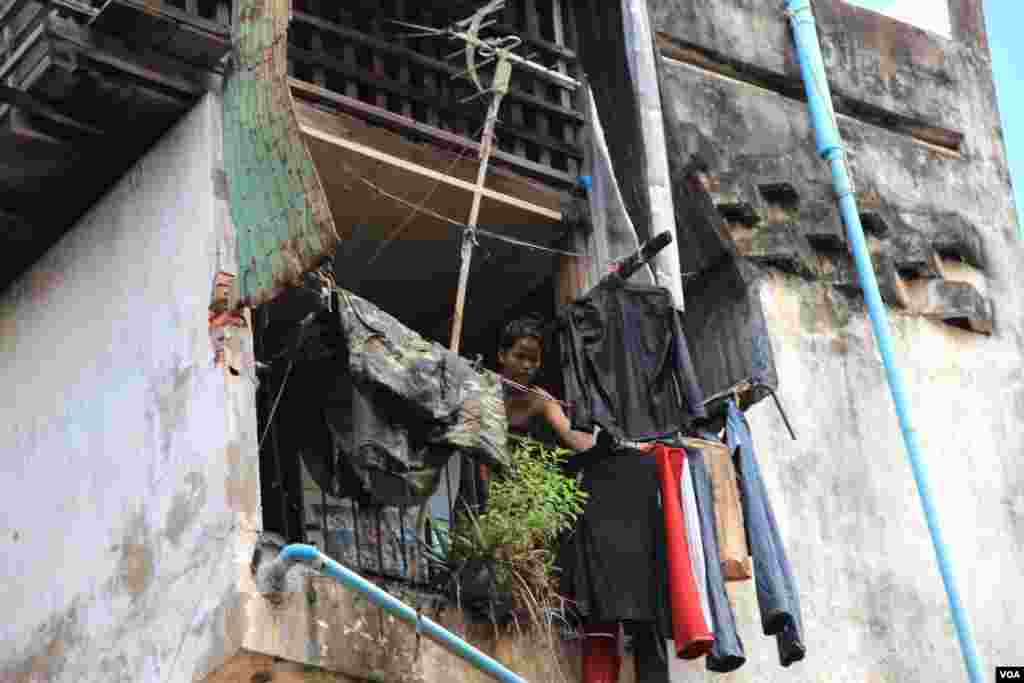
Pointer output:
x,y
777,596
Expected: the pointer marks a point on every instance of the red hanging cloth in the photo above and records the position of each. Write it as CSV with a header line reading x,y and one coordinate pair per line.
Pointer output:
x,y
693,636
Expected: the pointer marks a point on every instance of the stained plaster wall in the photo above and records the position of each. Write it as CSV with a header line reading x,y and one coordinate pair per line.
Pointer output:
x,y
874,605
129,471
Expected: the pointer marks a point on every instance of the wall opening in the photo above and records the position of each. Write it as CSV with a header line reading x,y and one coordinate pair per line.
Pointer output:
x,y
298,413
930,15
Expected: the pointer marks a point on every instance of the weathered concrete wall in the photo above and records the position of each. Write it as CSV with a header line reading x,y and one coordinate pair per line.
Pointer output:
x,y
339,635
874,605
130,489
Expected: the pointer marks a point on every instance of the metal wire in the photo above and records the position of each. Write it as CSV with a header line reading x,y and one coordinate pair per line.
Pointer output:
x,y
416,208
273,410
463,226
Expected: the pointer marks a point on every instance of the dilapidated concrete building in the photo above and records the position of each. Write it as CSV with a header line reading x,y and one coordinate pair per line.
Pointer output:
x,y
168,168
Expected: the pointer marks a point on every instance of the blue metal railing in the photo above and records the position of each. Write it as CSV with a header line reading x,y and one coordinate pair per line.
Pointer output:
x,y
298,552
830,146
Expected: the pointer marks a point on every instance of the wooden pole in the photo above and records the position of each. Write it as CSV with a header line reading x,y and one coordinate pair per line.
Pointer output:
x,y
502,75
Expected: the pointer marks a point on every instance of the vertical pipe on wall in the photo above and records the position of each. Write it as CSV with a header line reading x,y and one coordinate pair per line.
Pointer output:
x,y
830,147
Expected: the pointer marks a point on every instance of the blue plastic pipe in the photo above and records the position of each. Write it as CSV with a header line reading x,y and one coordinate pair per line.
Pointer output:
x,y
298,552
830,146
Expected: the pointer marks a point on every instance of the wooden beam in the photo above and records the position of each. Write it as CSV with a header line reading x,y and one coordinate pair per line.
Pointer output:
x,y
27,43
19,229
144,64
182,17
82,8
404,73
406,125
307,128
28,103
538,42
543,140
11,10
424,60
22,129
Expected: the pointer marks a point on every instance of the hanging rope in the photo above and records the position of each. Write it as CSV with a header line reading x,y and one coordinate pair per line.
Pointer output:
x,y
280,392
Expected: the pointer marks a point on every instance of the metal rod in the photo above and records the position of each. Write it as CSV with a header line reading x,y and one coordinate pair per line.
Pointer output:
x,y
645,253
323,520
448,487
298,552
380,543
284,499
401,542
354,506
830,147
782,413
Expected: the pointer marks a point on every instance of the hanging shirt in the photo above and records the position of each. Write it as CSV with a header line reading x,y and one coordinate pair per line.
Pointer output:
x,y
626,363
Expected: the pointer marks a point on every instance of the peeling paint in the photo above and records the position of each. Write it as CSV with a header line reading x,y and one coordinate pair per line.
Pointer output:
x,y
241,486
173,397
136,559
54,639
278,204
185,507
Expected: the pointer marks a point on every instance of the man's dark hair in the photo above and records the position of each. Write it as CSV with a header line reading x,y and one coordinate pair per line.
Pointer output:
x,y
531,325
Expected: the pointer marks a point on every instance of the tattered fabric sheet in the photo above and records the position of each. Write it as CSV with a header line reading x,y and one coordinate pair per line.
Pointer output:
x,y
613,236
376,410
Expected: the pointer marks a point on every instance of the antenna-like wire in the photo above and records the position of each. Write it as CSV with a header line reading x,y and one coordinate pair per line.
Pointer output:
x,y
490,50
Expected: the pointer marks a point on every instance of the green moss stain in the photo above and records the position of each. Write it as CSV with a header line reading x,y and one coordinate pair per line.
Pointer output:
x,y
277,200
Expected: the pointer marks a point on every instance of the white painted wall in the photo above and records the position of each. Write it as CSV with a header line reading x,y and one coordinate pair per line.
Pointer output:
x,y
129,476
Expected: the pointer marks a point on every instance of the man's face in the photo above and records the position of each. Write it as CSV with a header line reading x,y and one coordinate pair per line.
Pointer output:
x,y
521,362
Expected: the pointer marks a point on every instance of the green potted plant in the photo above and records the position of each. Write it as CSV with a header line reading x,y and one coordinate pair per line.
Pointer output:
x,y
504,557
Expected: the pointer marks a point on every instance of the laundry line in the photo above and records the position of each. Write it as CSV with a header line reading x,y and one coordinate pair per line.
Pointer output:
x,y
504,380
481,231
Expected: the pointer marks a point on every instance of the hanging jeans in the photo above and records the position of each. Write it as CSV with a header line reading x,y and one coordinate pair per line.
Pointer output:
x,y
727,653
777,596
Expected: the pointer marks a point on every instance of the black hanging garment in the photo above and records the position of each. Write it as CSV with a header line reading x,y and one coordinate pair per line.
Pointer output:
x,y
626,363
612,563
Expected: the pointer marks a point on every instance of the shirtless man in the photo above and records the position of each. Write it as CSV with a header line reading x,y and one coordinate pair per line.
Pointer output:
x,y
519,360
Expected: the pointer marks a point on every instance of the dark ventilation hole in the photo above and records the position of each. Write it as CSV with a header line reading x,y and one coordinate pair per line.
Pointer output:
x,y
951,252
780,194
824,242
234,371
208,9
740,212
962,323
874,223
